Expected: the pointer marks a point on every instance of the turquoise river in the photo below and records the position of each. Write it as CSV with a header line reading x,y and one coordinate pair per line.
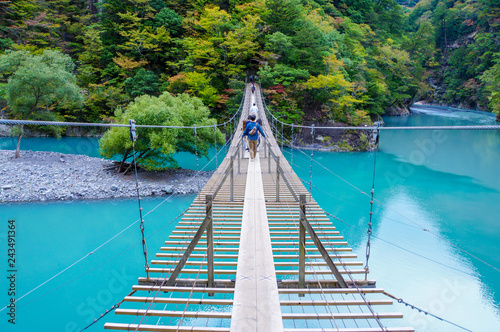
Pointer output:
x,y
435,243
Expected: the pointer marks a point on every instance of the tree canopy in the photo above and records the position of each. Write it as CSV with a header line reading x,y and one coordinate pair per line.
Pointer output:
x,y
155,147
36,83
371,56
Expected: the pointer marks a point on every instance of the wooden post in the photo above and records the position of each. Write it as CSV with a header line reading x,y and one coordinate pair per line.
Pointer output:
x,y
277,179
239,157
269,159
265,148
188,251
231,172
302,242
323,252
210,243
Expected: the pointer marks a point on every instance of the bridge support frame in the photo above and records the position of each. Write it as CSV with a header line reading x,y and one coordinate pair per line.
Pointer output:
x,y
277,179
207,224
231,179
317,242
302,242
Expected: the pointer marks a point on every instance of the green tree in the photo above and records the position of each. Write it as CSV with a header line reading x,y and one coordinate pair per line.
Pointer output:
x,y
170,20
38,83
155,147
145,82
491,79
334,90
282,74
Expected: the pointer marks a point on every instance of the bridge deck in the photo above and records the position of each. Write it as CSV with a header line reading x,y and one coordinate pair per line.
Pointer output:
x,y
257,254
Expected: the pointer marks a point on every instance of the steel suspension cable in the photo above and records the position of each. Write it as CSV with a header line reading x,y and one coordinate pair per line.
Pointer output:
x,y
400,300
195,145
102,264
215,144
369,231
398,213
338,257
109,240
323,295
141,225
312,158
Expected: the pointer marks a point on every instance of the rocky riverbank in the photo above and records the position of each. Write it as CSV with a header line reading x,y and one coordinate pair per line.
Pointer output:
x,y
50,176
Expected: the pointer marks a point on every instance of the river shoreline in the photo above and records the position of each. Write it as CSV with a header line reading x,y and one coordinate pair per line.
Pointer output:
x,y
41,176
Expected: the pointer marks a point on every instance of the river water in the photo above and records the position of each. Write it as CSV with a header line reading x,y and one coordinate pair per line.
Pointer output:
x,y
435,242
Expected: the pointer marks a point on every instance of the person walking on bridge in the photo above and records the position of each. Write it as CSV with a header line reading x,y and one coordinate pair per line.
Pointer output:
x,y
252,130
254,110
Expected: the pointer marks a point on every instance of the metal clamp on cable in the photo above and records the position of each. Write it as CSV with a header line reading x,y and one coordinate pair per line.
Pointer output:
x,y
376,132
133,134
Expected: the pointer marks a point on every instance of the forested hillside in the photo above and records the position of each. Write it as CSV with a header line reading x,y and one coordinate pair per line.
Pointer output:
x,y
341,60
457,45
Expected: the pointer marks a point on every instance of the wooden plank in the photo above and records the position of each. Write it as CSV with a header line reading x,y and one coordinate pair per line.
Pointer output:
x,y
173,254
379,315
321,248
203,263
361,329
329,290
167,289
278,272
162,328
256,301
325,283
334,303
144,299
189,250
198,249
171,313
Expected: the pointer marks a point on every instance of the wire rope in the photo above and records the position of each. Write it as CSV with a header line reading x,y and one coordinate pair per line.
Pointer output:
x,y
289,211
401,215
108,241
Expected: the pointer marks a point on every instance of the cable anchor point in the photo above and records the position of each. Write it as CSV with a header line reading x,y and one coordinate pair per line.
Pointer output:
x,y
133,134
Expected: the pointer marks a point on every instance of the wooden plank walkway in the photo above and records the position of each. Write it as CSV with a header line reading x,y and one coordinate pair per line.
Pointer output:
x,y
256,266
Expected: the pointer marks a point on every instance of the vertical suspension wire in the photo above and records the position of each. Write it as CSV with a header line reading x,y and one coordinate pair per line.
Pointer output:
x,y
196,146
291,144
313,269
225,138
215,144
133,138
282,137
369,231
312,159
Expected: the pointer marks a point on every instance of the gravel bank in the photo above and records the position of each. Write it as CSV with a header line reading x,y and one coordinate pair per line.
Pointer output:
x,y
50,176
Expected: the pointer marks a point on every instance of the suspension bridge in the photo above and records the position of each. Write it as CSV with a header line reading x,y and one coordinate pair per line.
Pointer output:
x,y
255,252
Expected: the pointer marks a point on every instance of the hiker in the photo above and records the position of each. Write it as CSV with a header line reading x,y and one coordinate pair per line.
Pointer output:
x,y
254,110
252,130
245,146
253,88
259,121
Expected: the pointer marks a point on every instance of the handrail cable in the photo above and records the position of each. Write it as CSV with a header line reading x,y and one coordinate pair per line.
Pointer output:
x,y
109,125
399,247
103,263
354,282
165,279
397,212
113,237
400,300
339,259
